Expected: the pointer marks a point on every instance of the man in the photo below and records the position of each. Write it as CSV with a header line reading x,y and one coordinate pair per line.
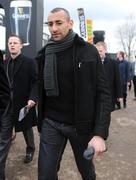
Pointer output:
x,y
21,72
5,120
4,88
133,68
125,76
112,70
74,99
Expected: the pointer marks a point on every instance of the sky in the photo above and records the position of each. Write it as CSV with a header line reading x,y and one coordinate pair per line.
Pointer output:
x,y
106,15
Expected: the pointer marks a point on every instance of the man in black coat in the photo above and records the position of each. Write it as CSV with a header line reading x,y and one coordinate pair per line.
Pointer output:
x,y
112,70
21,73
4,87
74,99
5,118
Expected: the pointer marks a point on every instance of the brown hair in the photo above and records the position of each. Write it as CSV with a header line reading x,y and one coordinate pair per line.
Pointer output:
x,y
14,35
122,54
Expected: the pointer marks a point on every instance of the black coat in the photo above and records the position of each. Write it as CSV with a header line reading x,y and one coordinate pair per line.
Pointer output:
x,y
92,95
4,90
112,71
24,88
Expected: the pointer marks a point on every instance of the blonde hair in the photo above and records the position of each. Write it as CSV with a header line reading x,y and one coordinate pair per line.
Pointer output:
x,y
101,43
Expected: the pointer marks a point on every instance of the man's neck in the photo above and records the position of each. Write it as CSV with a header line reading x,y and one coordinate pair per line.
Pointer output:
x,y
121,59
15,55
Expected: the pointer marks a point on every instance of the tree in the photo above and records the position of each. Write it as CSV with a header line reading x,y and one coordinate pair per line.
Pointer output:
x,y
127,35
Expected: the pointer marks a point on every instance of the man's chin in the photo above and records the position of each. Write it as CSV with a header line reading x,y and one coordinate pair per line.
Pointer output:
x,y
57,38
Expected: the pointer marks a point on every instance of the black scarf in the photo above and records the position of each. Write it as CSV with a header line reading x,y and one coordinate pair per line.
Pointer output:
x,y
50,67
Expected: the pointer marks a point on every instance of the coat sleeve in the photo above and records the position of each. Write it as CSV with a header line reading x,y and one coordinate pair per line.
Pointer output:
x,y
41,94
103,101
34,89
4,90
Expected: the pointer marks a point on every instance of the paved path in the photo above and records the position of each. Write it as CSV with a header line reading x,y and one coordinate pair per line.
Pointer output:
x,y
118,163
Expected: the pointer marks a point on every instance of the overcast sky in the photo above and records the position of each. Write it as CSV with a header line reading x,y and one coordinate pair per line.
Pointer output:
x,y
106,15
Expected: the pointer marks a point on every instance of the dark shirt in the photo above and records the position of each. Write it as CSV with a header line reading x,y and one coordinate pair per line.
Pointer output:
x,y
11,70
61,108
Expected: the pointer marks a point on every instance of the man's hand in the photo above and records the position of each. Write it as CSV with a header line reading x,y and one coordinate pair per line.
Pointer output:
x,y
30,103
119,99
99,145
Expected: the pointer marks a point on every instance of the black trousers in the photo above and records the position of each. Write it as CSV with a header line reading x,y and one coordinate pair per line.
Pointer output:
x,y
5,140
29,139
53,141
124,93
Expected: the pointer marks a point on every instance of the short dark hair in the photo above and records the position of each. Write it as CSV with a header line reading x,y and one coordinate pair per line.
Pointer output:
x,y
14,35
57,9
122,54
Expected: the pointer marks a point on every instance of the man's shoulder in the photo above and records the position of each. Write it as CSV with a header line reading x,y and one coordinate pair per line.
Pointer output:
x,y
84,46
80,41
22,56
26,59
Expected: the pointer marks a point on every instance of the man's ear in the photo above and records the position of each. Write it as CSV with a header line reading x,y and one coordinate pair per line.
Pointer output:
x,y
71,24
21,46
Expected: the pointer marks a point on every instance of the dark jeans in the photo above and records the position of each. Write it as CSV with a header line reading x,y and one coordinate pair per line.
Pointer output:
x,y
53,141
124,87
5,141
29,139
124,93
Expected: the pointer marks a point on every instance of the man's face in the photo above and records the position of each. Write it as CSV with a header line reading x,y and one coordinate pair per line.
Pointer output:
x,y
59,25
101,51
14,45
119,56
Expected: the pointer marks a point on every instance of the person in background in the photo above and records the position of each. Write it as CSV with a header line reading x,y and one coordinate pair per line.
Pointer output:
x,y
133,65
112,70
74,99
5,118
21,73
125,76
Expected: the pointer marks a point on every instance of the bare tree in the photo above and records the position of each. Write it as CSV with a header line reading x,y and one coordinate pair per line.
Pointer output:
x,y
127,35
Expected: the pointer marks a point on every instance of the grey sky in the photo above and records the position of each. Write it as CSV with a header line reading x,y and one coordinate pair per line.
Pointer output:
x,y
106,14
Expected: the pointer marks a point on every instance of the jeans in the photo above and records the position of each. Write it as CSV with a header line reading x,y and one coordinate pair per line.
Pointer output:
x,y
53,141
5,141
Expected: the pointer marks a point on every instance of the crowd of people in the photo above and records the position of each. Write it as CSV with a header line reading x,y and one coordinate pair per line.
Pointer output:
x,y
73,85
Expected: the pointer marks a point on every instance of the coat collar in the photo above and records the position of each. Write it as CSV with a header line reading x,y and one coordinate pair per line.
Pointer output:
x,y
18,60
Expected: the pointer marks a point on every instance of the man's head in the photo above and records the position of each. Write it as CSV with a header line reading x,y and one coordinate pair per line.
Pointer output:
x,y
15,45
120,55
102,49
59,23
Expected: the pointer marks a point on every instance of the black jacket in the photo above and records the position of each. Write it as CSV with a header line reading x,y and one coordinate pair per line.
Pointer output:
x,y
112,71
24,88
4,90
92,95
